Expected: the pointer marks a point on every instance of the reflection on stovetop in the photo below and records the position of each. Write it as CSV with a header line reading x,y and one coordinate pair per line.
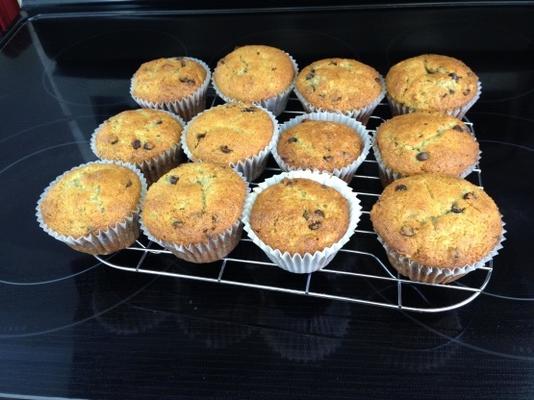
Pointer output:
x,y
71,327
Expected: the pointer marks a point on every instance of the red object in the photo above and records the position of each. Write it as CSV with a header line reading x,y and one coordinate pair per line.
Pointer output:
x,y
9,10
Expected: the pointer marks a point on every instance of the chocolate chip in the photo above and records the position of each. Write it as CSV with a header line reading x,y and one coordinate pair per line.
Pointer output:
x,y
458,128
129,183
444,95
332,63
292,139
310,75
249,109
201,136
401,188
148,146
328,158
422,156
182,61
451,91
377,80
455,253
457,209
273,69
159,122
315,225
454,77
221,61
113,139
257,53
225,149
136,144
177,224
214,219
407,231
288,182
469,196
319,213
187,81
306,215
466,92
337,99
173,179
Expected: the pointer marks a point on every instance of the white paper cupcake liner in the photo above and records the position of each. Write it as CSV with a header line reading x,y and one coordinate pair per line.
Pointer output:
x,y
215,248
304,263
425,273
346,173
361,114
276,104
154,167
116,237
458,112
187,107
251,167
387,175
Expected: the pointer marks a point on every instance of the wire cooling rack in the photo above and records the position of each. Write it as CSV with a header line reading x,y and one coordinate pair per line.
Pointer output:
x,y
360,272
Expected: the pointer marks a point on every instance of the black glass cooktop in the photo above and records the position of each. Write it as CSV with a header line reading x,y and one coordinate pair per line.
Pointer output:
x,y
71,327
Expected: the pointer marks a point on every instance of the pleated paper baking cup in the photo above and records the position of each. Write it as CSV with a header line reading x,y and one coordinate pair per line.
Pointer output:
x,y
215,248
250,167
187,107
110,240
346,173
387,175
425,273
361,114
276,104
152,168
308,262
458,112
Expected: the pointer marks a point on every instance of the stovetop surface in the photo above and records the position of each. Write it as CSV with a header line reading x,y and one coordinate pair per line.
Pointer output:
x,y
72,327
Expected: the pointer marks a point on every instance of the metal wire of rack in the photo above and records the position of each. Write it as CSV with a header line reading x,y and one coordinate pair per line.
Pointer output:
x,y
358,260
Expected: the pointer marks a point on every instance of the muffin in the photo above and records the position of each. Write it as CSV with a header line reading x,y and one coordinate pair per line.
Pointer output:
x,y
177,84
233,134
437,228
340,85
324,141
301,219
256,74
432,82
150,139
93,207
194,210
424,142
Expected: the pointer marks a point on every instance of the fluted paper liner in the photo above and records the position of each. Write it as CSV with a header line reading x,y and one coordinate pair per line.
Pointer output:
x,y
458,112
276,104
361,114
346,173
307,262
215,248
186,107
250,167
152,168
114,238
425,273
387,175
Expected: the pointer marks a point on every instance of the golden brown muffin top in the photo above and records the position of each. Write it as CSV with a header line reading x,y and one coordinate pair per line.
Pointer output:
x,y
339,84
322,145
137,135
300,216
229,133
437,220
431,82
91,198
168,79
194,202
426,142
253,73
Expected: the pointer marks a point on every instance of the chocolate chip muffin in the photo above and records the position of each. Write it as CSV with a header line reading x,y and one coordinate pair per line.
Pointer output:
x,y
436,228
194,211
322,141
176,84
93,207
300,216
424,142
232,134
256,74
340,85
432,82
150,139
